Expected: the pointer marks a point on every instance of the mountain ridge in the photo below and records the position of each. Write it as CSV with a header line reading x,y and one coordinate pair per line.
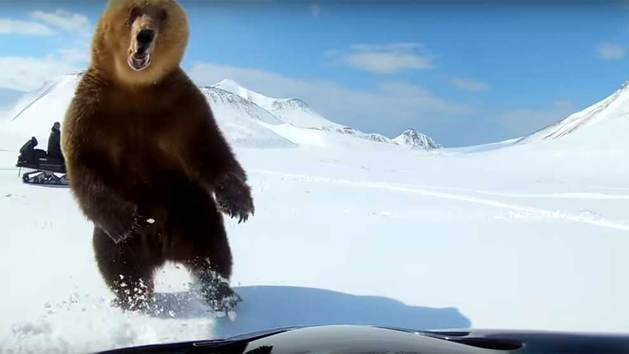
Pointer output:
x,y
602,113
248,118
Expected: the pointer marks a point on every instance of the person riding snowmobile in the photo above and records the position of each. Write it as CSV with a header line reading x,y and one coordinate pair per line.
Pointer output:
x,y
54,143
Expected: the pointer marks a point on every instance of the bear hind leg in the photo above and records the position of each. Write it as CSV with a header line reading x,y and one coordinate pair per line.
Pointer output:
x,y
126,269
212,284
202,246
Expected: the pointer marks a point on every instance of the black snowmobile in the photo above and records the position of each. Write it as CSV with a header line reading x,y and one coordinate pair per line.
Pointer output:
x,y
48,170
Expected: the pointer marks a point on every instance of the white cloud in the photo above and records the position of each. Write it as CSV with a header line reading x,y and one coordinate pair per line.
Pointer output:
x,y
396,103
384,59
29,73
471,85
611,51
47,23
9,26
65,20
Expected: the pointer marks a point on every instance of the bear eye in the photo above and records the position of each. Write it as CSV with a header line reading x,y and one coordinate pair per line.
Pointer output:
x,y
133,14
163,15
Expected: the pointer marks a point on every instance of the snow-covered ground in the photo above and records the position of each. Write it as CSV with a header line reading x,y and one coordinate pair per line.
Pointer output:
x,y
531,234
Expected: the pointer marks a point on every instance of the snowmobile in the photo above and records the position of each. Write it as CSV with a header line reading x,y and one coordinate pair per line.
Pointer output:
x,y
47,170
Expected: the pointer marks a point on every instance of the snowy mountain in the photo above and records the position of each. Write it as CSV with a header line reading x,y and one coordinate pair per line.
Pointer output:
x,y
605,122
240,120
8,99
416,139
289,110
35,112
247,118
299,114
237,105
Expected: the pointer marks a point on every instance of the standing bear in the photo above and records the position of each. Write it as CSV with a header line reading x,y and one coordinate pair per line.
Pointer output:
x,y
146,160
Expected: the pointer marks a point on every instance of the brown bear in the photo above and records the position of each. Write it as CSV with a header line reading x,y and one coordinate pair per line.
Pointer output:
x,y
146,160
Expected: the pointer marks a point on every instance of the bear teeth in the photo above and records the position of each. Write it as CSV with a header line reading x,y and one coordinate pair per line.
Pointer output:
x,y
139,64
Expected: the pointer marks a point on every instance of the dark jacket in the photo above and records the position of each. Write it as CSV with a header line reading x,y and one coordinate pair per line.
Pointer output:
x,y
54,144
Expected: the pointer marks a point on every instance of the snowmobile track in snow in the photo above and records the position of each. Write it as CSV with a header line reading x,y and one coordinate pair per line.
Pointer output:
x,y
423,190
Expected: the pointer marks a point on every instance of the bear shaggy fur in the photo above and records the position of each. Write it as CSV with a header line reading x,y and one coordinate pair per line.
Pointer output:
x,y
146,160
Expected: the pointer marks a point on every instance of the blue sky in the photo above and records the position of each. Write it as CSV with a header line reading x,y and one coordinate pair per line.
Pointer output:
x,y
464,73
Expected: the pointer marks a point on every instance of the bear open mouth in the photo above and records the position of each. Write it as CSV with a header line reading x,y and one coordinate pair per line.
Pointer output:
x,y
139,62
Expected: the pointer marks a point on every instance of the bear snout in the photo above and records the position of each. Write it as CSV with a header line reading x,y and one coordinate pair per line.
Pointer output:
x,y
145,38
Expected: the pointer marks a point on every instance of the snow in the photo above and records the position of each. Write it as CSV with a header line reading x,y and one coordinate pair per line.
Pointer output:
x,y
290,110
8,99
610,108
36,112
221,99
515,235
243,121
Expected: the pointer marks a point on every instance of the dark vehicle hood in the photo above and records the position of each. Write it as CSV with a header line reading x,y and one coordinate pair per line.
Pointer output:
x,y
368,339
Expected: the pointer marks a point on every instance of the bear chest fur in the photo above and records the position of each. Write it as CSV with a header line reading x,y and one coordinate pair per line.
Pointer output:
x,y
133,136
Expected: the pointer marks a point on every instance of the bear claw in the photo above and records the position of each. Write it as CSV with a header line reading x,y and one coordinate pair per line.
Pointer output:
x,y
233,197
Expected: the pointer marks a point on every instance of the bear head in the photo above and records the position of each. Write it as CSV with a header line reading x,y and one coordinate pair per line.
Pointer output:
x,y
139,42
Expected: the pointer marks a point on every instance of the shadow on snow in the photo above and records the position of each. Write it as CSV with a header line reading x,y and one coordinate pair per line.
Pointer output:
x,y
267,307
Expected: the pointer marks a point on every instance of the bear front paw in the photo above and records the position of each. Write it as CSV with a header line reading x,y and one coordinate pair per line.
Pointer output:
x,y
233,197
122,228
118,230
